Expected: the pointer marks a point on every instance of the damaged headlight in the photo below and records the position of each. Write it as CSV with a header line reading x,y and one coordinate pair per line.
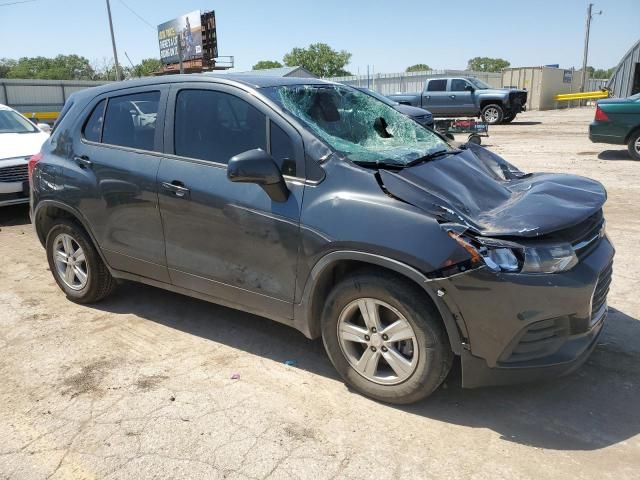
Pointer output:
x,y
506,256
549,259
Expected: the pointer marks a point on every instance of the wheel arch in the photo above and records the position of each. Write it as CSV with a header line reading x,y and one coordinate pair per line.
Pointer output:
x,y
46,213
334,266
633,131
491,101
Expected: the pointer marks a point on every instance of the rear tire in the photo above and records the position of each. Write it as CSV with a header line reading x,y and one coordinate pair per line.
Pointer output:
x,y
634,145
492,114
420,357
76,265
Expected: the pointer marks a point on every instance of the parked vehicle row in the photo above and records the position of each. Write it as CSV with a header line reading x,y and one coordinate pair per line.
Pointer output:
x,y
466,97
321,207
19,140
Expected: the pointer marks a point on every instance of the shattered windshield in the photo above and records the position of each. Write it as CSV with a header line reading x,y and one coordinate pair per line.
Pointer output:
x,y
479,84
356,125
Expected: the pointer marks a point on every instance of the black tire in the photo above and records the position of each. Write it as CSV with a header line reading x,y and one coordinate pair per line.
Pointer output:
x,y
99,282
476,139
508,118
634,145
493,114
434,355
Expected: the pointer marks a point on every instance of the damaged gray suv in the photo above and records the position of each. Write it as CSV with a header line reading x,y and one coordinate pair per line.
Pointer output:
x,y
318,206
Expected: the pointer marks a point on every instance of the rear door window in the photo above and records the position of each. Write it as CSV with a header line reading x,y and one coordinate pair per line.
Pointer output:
x,y
437,85
130,120
215,126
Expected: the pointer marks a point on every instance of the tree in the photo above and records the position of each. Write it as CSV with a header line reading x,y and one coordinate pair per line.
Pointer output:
x,y
265,64
320,59
600,73
487,64
6,64
62,67
147,67
418,67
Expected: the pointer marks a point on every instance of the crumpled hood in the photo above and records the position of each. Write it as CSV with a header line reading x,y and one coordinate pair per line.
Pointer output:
x,y
21,144
478,189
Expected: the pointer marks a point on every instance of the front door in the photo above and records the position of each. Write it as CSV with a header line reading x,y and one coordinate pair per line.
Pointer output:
x,y
461,98
229,240
435,97
111,179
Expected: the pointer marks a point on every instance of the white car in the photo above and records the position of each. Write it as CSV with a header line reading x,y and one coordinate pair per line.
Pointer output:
x,y
19,140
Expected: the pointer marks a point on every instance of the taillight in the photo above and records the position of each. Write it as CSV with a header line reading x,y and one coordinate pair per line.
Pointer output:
x,y
600,115
32,163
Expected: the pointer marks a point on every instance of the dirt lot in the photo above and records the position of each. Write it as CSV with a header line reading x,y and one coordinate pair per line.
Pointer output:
x,y
139,386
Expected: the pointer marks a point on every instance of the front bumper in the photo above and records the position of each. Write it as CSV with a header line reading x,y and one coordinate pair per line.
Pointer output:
x,y
14,184
524,327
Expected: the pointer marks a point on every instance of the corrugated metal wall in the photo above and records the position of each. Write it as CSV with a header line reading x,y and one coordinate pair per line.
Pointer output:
x,y
388,83
622,80
40,95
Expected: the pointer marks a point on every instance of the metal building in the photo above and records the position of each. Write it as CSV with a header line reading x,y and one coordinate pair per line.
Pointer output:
x,y
625,81
543,84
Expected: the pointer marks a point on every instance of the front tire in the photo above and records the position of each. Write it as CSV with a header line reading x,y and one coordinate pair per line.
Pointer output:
x,y
76,265
634,145
385,338
492,114
509,118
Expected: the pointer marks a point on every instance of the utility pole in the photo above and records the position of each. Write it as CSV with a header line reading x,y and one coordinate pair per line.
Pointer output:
x,y
586,45
113,43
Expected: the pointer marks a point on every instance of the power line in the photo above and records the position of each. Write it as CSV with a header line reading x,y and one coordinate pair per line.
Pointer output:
x,y
134,12
16,3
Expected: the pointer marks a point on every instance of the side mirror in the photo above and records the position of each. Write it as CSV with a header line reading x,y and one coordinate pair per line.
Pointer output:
x,y
44,127
469,88
257,166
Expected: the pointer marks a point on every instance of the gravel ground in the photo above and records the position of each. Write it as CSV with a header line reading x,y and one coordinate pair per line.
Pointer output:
x,y
140,386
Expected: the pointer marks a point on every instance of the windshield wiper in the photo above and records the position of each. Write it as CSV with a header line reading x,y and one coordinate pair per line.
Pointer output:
x,y
431,156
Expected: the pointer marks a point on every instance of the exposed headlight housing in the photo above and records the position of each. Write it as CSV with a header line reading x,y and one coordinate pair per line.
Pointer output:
x,y
506,256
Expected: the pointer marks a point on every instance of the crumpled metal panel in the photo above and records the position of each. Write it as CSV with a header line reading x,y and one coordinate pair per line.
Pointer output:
x,y
482,191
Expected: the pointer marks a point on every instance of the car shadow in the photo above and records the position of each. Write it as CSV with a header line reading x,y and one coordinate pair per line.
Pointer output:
x,y
615,155
588,410
524,122
14,215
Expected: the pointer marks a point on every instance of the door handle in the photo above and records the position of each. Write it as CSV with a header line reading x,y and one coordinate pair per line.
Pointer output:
x,y
428,97
177,187
82,160
452,96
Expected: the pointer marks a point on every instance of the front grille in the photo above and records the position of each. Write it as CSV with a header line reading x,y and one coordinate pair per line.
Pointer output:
x,y
599,300
15,173
583,237
519,98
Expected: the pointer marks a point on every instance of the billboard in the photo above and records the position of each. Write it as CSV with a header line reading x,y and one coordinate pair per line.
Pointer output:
x,y
182,34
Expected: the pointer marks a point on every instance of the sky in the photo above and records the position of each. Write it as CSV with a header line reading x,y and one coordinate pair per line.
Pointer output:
x,y
387,35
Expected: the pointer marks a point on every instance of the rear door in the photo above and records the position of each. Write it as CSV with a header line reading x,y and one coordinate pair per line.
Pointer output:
x,y
111,178
435,96
461,99
229,240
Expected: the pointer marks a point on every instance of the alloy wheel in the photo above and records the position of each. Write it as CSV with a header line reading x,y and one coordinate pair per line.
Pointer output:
x,y
378,341
491,115
636,145
70,262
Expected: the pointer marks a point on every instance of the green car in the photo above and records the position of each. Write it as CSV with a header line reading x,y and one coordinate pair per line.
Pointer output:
x,y
618,121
